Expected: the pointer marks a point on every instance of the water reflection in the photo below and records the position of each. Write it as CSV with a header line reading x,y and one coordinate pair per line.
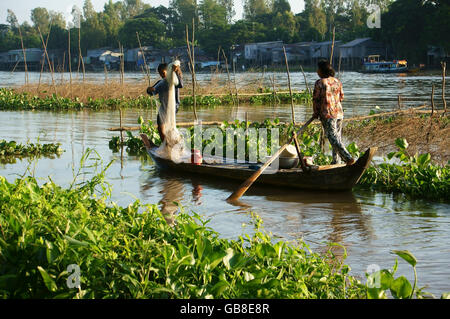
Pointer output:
x,y
172,194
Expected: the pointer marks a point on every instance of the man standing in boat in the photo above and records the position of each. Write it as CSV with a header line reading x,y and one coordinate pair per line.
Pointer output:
x,y
162,89
327,98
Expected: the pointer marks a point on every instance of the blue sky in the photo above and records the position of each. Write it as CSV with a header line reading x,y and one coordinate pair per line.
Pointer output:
x,y
22,8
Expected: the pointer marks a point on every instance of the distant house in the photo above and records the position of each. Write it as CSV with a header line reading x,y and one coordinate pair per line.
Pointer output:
x,y
15,58
262,52
295,53
33,55
322,50
99,58
354,52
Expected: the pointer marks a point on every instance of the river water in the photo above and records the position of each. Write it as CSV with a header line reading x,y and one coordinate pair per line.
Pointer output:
x,y
368,224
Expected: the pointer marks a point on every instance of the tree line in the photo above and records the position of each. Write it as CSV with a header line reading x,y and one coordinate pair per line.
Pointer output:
x,y
407,26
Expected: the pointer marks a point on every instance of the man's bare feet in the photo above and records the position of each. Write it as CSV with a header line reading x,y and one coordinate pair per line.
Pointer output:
x,y
351,162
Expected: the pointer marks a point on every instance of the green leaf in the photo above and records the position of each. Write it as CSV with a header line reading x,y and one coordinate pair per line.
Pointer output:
x,y
407,256
445,295
424,159
48,281
376,293
401,288
75,242
401,143
220,287
226,259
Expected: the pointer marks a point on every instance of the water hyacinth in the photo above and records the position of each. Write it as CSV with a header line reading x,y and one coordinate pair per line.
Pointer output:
x,y
132,252
11,150
12,100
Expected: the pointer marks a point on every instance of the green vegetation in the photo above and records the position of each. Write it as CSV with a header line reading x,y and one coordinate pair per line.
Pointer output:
x,y
12,100
11,150
132,252
383,281
414,175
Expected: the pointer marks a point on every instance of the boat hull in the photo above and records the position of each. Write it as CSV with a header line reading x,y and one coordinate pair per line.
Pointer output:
x,y
325,178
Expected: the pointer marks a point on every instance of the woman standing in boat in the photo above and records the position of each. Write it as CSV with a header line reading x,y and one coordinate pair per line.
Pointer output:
x,y
327,98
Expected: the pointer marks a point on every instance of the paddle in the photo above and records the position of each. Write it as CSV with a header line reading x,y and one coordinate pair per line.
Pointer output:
x,y
246,185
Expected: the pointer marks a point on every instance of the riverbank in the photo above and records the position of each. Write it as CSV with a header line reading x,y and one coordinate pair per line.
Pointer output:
x,y
424,133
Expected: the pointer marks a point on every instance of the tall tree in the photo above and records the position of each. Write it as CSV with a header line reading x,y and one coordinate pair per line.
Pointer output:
x,y
12,19
281,6
41,19
212,14
253,8
229,7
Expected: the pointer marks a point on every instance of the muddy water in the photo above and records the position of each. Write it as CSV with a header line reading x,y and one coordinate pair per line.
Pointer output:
x,y
368,224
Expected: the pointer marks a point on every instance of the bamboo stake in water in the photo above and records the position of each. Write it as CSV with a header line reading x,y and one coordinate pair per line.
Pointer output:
x,y
24,57
70,63
43,58
332,47
191,54
235,85
80,55
143,57
306,82
289,83
228,73
444,66
432,100
48,59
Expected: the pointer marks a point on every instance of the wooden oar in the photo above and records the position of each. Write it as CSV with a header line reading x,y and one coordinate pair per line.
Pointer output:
x,y
246,185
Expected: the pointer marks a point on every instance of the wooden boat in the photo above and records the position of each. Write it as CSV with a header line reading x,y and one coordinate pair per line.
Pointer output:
x,y
339,177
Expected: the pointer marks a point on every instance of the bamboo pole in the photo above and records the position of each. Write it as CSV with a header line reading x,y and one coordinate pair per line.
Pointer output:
x,y
332,46
63,67
80,55
24,57
444,66
48,59
339,67
191,54
106,74
306,82
289,83
43,59
70,62
235,85
432,100
143,57
228,72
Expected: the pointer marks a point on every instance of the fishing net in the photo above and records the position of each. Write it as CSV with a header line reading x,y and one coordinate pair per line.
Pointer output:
x,y
173,147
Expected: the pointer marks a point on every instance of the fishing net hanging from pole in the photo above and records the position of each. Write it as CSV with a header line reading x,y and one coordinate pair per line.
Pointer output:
x,y
173,146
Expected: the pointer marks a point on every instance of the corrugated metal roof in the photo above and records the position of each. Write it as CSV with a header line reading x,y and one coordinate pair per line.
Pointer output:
x,y
355,42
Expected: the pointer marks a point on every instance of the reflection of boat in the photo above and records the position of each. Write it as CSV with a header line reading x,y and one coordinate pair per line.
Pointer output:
x,y
330,177
374,65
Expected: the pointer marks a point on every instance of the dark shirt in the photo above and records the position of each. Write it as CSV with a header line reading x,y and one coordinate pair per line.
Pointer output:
x,y
162,89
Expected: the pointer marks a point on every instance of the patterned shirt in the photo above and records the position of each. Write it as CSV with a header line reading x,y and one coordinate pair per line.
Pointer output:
x,y
327,98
